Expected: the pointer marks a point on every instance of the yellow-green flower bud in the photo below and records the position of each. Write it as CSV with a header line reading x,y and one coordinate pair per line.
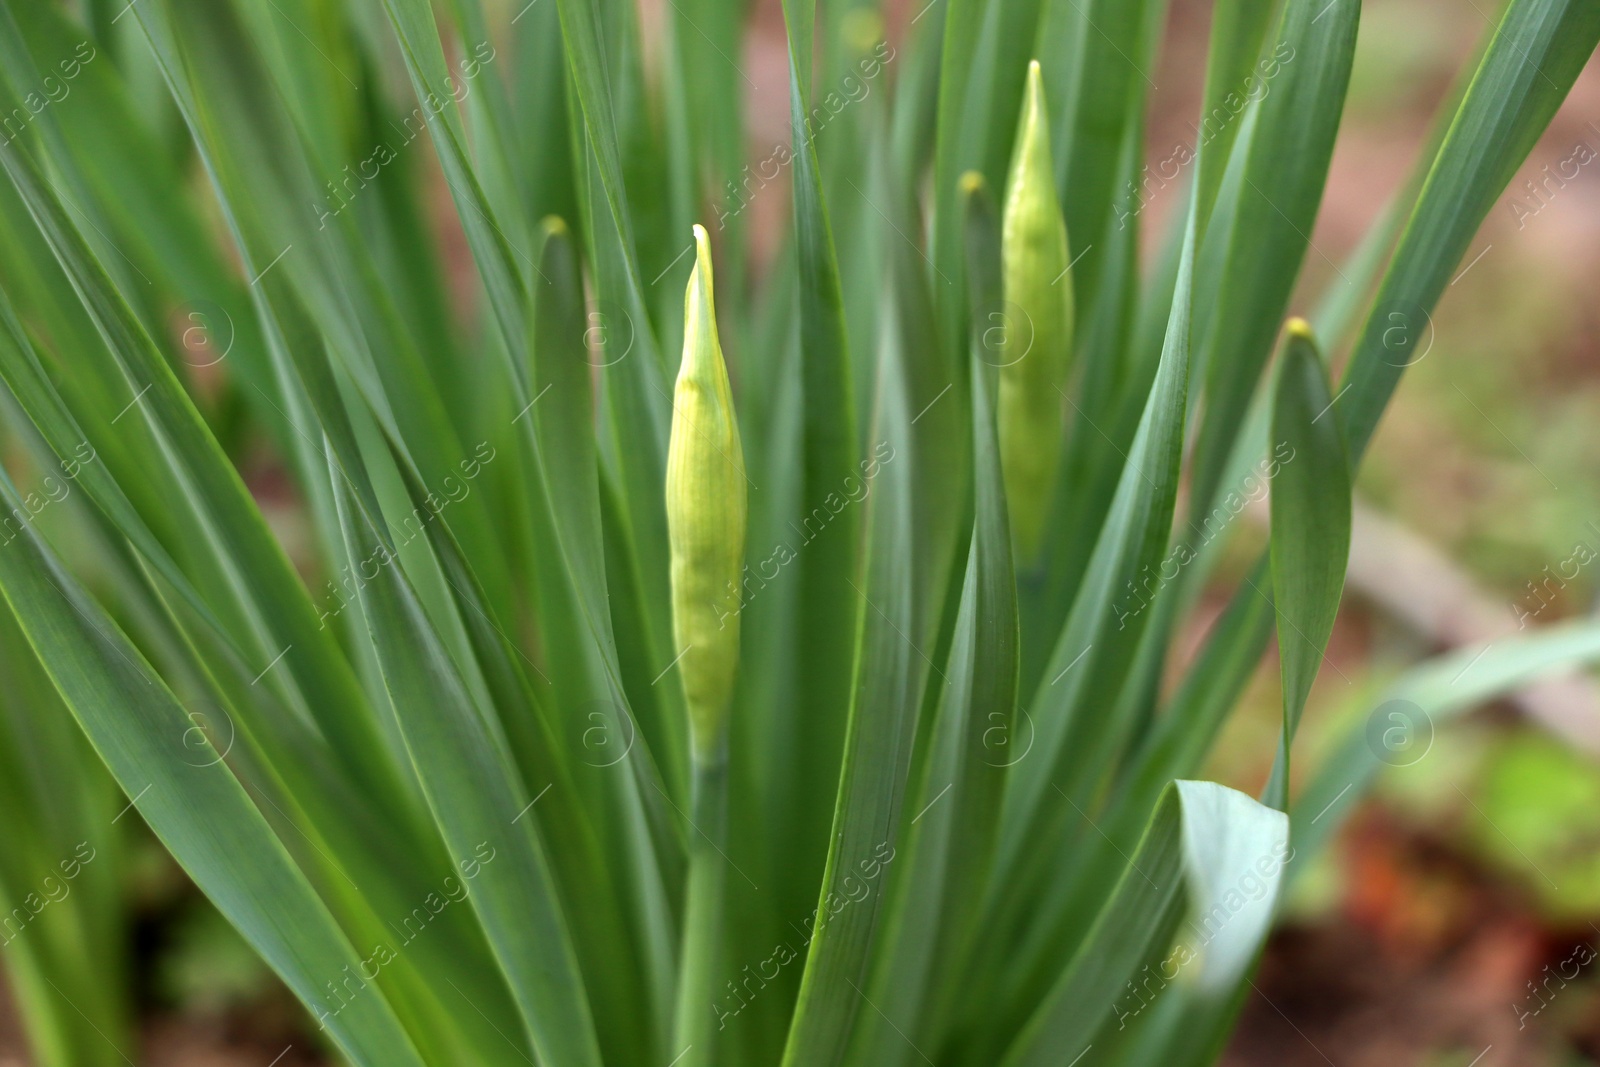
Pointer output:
x,y
706,512
1038,295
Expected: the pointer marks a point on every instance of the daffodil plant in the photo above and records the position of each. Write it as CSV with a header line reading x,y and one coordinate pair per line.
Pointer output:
x,y
525,692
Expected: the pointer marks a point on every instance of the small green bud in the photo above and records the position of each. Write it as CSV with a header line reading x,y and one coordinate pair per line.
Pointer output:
x,y
1038,296
706,513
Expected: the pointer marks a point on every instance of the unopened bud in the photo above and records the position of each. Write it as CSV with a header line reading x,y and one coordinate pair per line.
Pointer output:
x,y
1038,293
706,514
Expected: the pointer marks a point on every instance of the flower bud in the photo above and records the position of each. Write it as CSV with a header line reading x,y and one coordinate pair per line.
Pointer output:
x,y
706,512
1038,296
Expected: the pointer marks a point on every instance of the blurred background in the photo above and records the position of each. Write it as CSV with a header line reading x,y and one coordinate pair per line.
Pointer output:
x,y
1457,922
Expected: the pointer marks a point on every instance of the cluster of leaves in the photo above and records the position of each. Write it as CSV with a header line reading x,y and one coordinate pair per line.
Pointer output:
x,y
435,766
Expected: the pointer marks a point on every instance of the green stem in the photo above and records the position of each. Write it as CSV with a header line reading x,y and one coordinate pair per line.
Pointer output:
x,y
695,1024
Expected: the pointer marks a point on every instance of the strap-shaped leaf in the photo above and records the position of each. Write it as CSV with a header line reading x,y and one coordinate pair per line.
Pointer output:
x,y
475,795
1237,28
1073,734
1423,699
830,610
887,683
1098,66
949,842
563,427
1185,1030
1538,50
1525,72
831,631
1099,648
59,803
599,920
202,814
564,423
285,610
581,30
493,248
1211,856
1099,636
635,382
1300,82
1179,738
1310,531
1505,86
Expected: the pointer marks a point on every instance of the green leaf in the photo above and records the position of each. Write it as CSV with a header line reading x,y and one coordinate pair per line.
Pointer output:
x,y
1097,58
565,457
950,840
1237,27
831,634
1186,1030
1538,49
64,958
1210,856
887,692
1100,634
1310,531
1301,85
285,611
475,797
937,769
202,814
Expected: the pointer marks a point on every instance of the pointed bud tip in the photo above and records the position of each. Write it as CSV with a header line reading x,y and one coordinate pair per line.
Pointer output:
x,y
972,183
1299,328
1033,95
702,256
554,226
